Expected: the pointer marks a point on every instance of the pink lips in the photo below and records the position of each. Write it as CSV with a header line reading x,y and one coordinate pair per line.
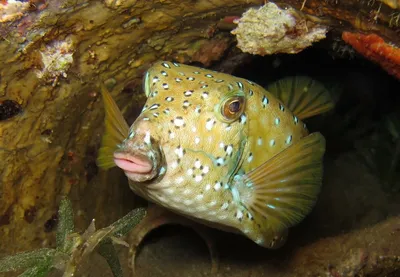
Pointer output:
x,y
133,164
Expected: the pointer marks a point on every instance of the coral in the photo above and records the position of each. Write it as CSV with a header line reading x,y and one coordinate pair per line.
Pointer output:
x,y
12,10
373,47
271,30
56,59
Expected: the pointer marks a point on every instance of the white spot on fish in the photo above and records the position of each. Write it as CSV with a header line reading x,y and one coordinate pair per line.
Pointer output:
x,y
259,141
162,170
228,127
155,80
265,101
208,187
194,129
235,194
229,150
239,214
272,142
206,169
198,178
220,161
131,134
190,171
217,186
180,180
186,104
188,93
154,106
289,139
166,65
178,121
271,206
147,138
251,92
209,76
221,145
224,206
250,158
260,241
175,64
199,197
204,86
179,151
277,121
240,85
296,120
222,217
281,107
250,216
187,191
174,165
178,80
212,203
210,123
198,109
190,78
187,202
197,164
212,212
169,190
243,119
165,86
196,140
172,135
164,73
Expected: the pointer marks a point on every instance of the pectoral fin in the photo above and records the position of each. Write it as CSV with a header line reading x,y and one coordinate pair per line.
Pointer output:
x,y
285,188
116,130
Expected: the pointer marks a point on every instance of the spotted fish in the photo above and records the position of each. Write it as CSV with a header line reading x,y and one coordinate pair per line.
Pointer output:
x,y
222,150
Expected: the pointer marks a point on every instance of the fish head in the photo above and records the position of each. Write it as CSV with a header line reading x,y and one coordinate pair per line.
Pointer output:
x,y
192,129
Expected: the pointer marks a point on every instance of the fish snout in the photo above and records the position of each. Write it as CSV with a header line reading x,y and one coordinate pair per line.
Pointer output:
x,y
139,158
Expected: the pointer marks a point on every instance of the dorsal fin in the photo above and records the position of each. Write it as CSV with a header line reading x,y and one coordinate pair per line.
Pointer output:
x,y
304,96
116,130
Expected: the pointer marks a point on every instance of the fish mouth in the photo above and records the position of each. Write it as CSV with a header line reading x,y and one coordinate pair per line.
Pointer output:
x,y
133,164
139,164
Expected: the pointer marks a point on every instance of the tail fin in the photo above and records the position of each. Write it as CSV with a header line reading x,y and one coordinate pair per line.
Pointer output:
x,y
303,96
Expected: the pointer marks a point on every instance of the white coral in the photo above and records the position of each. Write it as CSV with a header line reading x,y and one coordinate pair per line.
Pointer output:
x,y
12,10
56,59
270,30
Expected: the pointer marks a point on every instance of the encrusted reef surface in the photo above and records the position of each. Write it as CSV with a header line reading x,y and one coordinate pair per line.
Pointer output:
x,y
54,54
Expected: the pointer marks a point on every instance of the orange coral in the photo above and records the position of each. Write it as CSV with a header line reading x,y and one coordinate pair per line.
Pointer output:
x,y
376,49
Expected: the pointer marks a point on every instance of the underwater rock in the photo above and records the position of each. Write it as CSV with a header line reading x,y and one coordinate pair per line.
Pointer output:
x,y
270,30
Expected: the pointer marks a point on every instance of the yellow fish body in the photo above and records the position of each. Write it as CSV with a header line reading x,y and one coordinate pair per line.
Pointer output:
x,y
222,150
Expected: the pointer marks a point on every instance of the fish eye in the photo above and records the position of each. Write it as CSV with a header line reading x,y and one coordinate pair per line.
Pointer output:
x,y
146,84
233,108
